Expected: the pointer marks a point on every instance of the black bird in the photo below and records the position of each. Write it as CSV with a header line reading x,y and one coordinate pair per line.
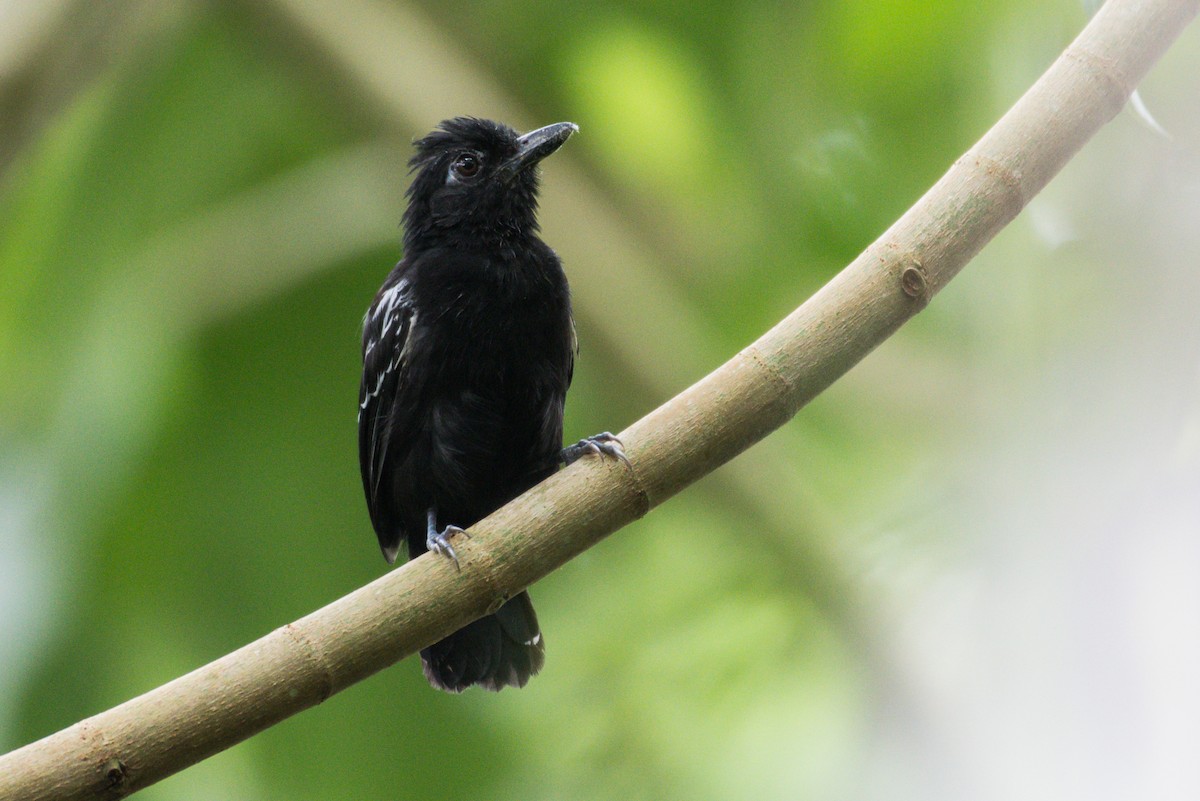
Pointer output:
x,y
468,351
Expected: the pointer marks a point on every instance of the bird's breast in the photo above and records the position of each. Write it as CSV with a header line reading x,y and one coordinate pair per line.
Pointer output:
x,y
479,340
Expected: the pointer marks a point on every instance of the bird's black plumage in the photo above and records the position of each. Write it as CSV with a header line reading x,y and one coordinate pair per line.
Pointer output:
x,y
468,351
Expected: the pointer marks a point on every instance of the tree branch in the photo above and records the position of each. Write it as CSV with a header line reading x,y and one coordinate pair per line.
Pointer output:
x,y
150,737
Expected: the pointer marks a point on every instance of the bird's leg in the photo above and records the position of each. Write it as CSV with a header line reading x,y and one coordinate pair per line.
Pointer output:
x,y
603,444
439,541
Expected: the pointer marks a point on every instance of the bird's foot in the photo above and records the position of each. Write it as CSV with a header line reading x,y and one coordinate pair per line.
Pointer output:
x,y
439,543
602,444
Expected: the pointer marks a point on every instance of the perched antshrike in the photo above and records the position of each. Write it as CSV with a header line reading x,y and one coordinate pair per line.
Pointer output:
x,y
468,351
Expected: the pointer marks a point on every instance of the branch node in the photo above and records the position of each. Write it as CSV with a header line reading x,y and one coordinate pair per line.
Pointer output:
x,y
644,503
641,494
315,656
1104,71
914,282
994,168
777,377
116,774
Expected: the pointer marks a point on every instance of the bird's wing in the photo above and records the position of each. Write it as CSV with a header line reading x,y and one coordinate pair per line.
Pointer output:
x,y
384,430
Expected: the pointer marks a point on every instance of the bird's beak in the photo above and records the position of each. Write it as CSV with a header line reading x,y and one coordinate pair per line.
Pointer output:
x,y
535,146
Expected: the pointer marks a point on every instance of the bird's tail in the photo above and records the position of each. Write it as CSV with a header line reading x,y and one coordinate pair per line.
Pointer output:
x,y
501,650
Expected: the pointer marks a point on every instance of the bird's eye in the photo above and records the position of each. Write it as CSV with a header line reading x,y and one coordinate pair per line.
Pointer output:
x,y
466,166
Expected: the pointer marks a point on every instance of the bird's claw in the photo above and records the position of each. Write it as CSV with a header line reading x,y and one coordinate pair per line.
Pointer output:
x,y
603,444
606,444
440,543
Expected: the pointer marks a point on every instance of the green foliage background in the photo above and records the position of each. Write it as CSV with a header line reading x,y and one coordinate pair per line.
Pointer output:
x,y
197,202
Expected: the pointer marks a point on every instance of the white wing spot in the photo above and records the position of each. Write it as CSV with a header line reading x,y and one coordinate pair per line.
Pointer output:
x,y
393,298
412,323
396,360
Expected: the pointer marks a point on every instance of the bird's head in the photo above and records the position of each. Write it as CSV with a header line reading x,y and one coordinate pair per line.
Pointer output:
x,y
477,178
